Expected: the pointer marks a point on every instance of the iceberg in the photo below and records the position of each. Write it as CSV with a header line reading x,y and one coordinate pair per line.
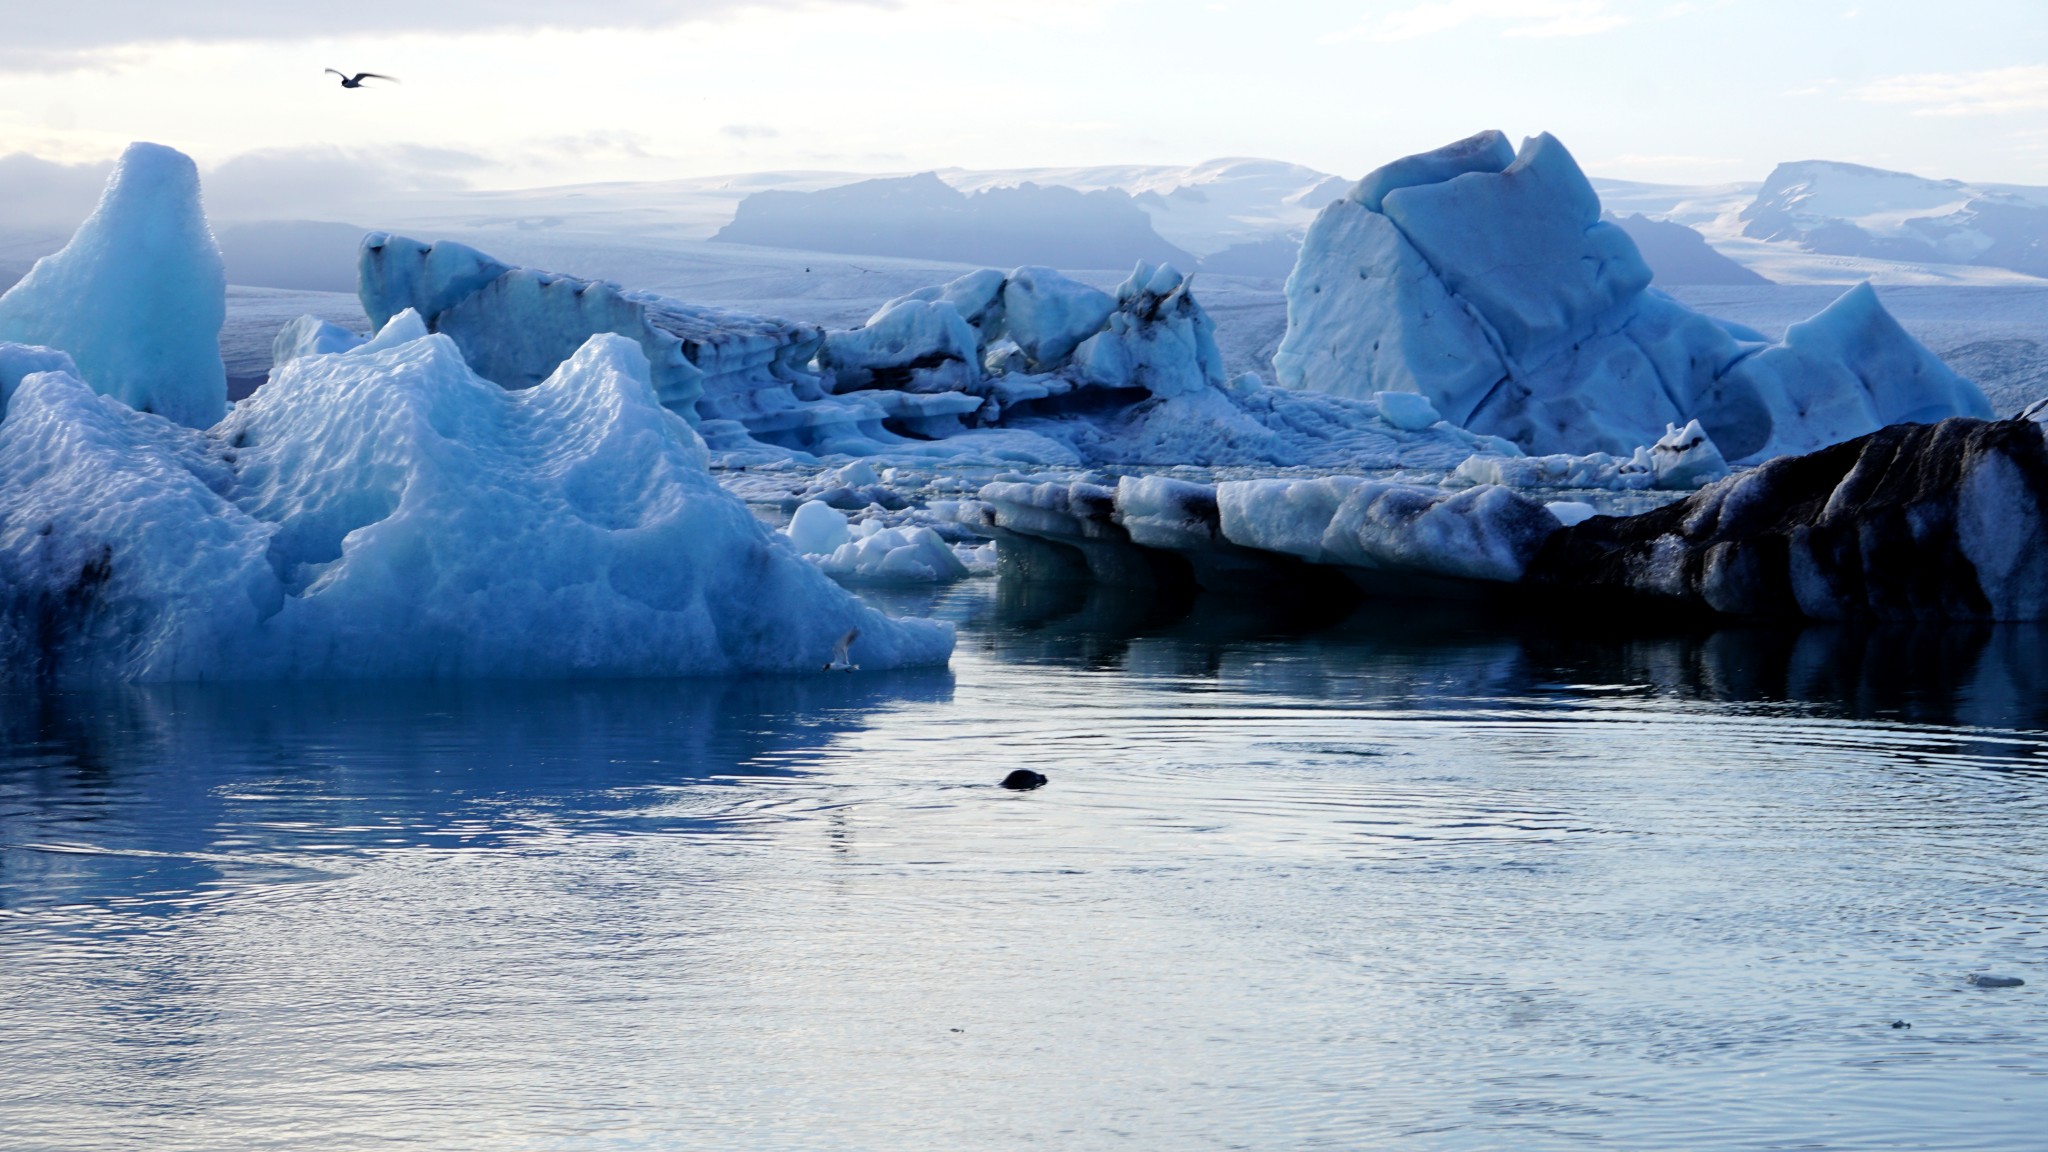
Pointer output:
x,y
385,512
992,368
745,381
1382,536
137,298
1485,279
1913,522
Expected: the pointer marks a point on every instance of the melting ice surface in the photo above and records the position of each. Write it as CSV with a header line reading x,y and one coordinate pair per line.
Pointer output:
x,y
1405,881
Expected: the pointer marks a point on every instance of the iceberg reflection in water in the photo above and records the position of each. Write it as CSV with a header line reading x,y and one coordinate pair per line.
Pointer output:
x,y
1407,877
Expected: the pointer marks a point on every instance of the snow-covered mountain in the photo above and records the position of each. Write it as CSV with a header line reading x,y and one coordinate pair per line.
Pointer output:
x,y
1204,208
1815,222
1850,210
923,217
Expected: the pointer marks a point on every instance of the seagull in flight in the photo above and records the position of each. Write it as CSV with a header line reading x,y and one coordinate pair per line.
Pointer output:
x,y
356,81
841,662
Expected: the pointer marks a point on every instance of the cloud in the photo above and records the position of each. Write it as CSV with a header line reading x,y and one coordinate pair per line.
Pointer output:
x,y
749,132
1529,18
59,36
37,194
2019,89
323,179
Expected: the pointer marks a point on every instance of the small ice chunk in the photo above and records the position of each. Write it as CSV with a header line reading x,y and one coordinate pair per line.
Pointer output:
x,y
1686,457
859,474
914,555
978,559
817,528
1570,512
1408,411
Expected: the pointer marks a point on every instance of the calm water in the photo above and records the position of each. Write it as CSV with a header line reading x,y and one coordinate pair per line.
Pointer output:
x,y
1408,880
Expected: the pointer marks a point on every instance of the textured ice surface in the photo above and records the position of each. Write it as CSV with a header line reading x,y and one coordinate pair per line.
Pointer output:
x,y
385,512
1157,339
20,361
312,336
138,296
1486,280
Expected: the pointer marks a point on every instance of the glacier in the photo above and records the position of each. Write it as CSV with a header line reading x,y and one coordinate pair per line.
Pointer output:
x,y
1485,279
136,299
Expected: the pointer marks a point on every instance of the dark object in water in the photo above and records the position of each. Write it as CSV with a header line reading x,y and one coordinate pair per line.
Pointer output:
x,y
1024,780
1987,980
1900,1024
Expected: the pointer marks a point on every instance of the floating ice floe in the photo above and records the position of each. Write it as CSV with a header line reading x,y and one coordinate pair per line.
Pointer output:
x,y
1485,280
20,361
136,299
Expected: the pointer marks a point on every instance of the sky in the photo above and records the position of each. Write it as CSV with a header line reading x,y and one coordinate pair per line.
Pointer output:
x,y
519,93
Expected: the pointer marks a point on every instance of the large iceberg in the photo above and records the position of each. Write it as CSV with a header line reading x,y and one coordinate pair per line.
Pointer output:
x,y
138,296
377,508
385,512
1028,366
1486,280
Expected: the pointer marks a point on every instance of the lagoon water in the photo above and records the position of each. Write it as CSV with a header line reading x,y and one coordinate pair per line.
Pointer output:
x,y
1411,878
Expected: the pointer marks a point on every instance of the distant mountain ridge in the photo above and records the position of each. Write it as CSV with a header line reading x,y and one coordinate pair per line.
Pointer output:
x,y
923,217
1851,210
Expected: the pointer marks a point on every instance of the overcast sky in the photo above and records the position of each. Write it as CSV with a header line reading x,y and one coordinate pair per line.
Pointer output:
x,y
1684,92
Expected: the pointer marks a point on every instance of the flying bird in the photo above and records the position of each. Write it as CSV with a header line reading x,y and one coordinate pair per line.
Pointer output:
x,y
356,81
841,661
